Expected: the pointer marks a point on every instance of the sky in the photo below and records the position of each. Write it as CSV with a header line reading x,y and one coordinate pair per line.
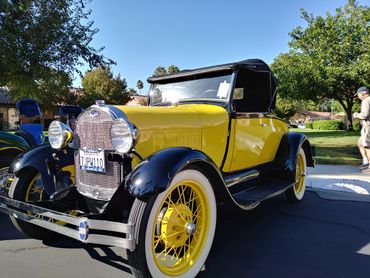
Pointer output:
x,y
141,35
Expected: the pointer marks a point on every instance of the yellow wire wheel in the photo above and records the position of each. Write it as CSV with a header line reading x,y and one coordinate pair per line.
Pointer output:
x,y
296,193
35,191
180,227
299,187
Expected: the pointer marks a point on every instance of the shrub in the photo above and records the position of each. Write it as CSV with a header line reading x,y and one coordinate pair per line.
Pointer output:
x,y
356,125
309,125
328,125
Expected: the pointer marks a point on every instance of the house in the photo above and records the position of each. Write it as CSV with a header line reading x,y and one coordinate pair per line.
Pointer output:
x,y
310,116
8,113
137,100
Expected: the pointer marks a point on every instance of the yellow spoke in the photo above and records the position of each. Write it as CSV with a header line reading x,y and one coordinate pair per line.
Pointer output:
x,y
181,191
191,196
173,234
195,214
192,202
156,242
175,254
172,205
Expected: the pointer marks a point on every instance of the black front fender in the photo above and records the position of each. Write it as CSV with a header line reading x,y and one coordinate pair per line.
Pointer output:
x,y
40,157
155,173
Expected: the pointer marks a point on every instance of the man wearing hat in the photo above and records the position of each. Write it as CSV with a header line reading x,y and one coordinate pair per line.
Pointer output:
x,y
364,141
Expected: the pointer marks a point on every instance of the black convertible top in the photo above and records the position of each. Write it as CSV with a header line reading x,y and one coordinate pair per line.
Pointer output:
x,y
261,82
252,64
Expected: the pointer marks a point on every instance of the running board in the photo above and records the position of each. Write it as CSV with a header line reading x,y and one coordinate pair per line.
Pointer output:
x,y
251,198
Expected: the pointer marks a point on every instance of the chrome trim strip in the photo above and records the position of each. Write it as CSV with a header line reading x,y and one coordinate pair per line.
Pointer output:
x,y
11,206
5,202
240,177
111,226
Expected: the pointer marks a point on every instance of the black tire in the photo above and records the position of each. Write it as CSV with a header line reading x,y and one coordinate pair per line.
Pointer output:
x,y
188,203
296,193
20,189
28,137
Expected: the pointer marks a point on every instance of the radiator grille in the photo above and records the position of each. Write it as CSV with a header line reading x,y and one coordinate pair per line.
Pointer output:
x,y
93,133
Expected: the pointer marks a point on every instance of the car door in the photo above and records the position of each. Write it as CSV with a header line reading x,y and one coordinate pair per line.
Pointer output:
x,y
254,133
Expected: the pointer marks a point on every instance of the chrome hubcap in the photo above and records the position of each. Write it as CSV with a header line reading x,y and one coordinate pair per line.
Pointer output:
x,y
191,228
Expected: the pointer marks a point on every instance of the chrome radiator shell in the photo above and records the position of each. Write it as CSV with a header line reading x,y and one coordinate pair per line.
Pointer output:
x,y
93,133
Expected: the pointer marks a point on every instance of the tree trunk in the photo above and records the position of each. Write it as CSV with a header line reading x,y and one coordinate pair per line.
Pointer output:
x,y
347,105
349,123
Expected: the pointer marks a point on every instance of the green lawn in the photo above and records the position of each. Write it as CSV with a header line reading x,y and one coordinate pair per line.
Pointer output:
x,y
334,146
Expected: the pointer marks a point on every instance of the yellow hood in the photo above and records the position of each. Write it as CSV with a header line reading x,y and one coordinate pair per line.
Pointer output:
x,y
199,126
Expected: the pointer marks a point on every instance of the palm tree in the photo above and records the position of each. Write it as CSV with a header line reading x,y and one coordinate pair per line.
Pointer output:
x,y
139,85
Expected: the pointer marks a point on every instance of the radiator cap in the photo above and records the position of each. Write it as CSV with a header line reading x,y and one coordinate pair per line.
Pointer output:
x,y
100,102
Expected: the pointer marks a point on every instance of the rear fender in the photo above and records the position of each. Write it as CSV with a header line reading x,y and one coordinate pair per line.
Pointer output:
x,y
288,153
41,158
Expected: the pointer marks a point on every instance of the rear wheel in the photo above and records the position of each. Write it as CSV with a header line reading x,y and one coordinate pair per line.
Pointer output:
x,y
175,228
27,187
296,192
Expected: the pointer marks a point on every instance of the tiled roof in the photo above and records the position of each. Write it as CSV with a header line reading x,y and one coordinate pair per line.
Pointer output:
x,y
4,96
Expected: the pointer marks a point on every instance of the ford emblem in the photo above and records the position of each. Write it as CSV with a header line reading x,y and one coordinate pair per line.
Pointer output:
x,y
94,112
83,229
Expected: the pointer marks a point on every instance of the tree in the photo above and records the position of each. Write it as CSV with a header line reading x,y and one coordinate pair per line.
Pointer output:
x,y
161,70
173,69
139,85
43,40
132,92
100,83
329,59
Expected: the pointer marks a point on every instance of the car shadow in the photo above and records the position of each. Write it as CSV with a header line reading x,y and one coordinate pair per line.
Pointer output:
x,y
114,257
7,230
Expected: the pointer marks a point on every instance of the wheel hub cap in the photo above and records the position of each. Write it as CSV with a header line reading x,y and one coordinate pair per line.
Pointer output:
x,y
191,228
175,223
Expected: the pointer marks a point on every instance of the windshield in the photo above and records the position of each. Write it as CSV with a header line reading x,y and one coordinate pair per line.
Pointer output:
x,y
203,89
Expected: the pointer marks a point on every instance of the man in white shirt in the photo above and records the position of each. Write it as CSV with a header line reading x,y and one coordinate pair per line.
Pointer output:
x,y
364,141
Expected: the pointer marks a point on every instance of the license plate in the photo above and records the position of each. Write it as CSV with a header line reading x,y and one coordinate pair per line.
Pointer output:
x,y
91,160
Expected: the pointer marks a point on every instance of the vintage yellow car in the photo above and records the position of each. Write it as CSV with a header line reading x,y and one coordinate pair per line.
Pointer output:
x,y
151,179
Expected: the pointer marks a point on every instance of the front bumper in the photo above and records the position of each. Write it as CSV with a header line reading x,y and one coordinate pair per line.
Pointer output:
x,y
80,228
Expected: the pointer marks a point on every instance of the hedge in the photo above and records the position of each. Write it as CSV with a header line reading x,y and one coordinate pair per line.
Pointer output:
x,y
329,125
309,125
356,125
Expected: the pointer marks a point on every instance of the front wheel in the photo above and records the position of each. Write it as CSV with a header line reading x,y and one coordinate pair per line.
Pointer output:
x,y
175,229
296,192
27,187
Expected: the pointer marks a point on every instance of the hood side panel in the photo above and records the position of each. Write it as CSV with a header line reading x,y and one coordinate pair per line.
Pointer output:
x,y
199,126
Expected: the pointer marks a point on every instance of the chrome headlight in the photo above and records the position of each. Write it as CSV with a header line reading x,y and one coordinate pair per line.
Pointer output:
x,y
59,135
124,135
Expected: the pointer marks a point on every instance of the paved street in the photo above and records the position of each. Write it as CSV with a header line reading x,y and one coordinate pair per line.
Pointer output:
x,y
323,236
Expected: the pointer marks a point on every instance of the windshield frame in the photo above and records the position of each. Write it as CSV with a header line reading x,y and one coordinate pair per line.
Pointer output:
x,y
224,102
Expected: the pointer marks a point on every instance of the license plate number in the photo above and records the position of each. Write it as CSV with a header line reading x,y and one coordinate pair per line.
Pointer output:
x,y
91,160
